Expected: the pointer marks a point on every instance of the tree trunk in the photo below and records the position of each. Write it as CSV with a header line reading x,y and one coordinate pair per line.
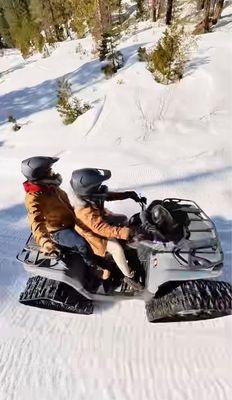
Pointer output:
x,y
217,11
105,15
169,12
207,15
200,5
160,8
154,7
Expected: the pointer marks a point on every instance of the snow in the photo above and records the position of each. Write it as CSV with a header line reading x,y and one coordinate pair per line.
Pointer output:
x,y
161,141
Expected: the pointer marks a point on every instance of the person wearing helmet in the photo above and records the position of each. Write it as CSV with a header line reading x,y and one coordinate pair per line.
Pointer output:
x,y
51,216
92,217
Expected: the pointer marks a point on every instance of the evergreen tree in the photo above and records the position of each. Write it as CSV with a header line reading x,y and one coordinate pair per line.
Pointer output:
x,y
52,17
68,107
140,8
23,29
167,60
108,50
5,30
83,16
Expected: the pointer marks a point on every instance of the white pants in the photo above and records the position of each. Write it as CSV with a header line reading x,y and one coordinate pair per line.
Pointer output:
x,y
115,249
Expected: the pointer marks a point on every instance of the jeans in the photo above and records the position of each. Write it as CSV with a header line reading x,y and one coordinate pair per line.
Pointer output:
x,y
70,239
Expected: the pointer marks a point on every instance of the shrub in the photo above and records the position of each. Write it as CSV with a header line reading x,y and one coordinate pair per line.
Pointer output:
x,y
69,108
109,70
15,125
167,61
142,54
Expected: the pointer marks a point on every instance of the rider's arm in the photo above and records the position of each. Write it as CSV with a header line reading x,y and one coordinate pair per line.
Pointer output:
x,y
112,196
37,220
92,218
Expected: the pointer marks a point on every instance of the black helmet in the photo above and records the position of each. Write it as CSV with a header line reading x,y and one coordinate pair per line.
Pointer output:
x,y
36,168
87,181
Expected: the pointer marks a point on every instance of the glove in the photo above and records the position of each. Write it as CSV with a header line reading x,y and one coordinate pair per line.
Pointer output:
x,y
134,196
138,233
49,248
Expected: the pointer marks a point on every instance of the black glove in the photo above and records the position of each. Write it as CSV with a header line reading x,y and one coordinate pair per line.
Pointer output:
x,y
134,196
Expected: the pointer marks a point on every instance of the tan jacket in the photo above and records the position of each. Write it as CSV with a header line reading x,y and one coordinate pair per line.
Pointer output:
x,y
92,226
48,212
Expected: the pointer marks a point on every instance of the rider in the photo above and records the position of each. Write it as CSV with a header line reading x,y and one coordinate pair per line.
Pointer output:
x,y
50,213
93,219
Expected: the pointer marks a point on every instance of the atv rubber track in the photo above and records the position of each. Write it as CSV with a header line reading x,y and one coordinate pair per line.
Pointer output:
x,y
50,294
191,300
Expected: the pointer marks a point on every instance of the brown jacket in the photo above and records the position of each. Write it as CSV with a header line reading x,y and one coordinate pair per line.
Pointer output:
x,y
49,210
92,226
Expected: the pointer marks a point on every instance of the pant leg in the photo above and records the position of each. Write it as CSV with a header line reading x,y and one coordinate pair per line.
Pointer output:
x,y
117,252
70,239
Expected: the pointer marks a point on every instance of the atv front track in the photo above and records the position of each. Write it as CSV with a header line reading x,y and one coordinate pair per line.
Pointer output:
x,y
190,300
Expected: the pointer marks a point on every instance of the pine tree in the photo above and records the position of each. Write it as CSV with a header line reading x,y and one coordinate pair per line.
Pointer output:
x,y
108,51
52,17
83,16
167,60
140,8
23,29
5,30
68,107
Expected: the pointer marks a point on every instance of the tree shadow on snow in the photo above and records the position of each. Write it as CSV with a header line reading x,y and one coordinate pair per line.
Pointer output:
x,y
16,67
29,100
223,21
12,239
194,64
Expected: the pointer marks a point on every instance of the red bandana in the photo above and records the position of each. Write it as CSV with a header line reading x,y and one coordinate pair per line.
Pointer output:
x,y
33,187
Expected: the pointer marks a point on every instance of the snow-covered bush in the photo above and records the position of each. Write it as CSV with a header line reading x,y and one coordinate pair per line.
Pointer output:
x,y
167,61
69,108
15,125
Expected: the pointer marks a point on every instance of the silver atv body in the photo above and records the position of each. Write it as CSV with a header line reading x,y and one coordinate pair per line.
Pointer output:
x,y
178,273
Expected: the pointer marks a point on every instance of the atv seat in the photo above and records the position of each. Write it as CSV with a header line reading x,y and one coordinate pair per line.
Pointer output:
x,y
70,268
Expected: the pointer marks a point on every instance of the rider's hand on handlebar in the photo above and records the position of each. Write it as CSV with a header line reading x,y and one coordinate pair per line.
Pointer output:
x,y
134,196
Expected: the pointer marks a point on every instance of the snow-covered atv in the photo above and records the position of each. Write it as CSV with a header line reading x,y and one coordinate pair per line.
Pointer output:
x,y
177,266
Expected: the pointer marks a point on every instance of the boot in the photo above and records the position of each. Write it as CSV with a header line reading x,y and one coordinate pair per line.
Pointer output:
x,y
131,282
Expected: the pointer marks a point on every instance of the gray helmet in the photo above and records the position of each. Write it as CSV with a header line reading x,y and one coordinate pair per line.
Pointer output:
x,y
87,181
36,168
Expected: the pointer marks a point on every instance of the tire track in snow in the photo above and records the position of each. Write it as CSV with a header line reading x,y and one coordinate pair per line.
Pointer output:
x,y
97,118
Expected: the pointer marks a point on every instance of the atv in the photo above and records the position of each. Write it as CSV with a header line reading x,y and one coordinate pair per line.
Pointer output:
x,y
175,252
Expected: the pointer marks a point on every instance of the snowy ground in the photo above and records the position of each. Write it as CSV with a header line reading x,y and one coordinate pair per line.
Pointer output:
x,y
162,142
